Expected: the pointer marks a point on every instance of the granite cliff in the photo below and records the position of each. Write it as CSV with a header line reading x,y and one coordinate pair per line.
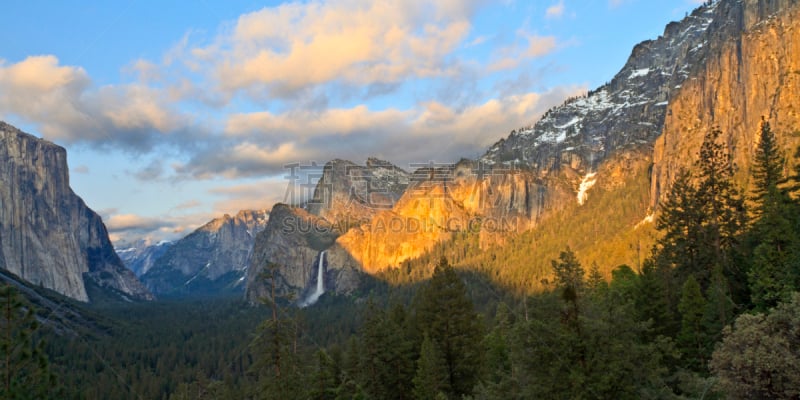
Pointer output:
x,y
48,236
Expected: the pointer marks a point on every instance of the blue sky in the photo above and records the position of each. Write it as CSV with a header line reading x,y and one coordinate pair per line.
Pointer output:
x,y
177,112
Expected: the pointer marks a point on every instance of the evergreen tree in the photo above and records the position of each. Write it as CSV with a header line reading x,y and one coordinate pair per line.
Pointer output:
x,y
692,339
323,383
652,301
386,363
350,387
720,309
277,363
499,381
24,368
432,378
595,281
767,173
679,222
569,280
724,214
701,223
447,315
775,267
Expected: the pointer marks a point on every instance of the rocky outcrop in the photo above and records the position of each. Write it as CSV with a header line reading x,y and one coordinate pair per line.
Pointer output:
x,y
141,255
214,257
745,77
439,202
293,240
627,111
48,236
349,194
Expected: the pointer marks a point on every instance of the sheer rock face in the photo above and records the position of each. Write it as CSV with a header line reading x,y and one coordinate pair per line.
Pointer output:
x,y
48,236
220,249
293,239
439,202
751,75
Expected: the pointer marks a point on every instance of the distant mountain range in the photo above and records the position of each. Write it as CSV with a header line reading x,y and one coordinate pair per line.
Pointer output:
x,y
214,258
141,255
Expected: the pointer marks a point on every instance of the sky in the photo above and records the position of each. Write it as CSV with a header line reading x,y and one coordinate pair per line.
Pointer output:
x,y
177,112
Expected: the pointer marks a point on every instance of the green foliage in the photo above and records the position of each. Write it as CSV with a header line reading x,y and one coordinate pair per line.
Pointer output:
x,y
702,222
445,313
692,338
24,367
432,378
774,238
387,357
759,357
277,365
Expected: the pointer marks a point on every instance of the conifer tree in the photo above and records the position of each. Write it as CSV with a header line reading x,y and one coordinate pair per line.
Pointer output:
x,y
277,365
692,339
652,301
595,281
447,315
24,368
323,382
432,379
386,363
776,256
702,222
767,173
569,280
724,214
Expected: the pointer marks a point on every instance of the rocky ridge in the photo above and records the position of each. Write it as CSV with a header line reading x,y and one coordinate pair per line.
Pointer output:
x,y
141,255
214,257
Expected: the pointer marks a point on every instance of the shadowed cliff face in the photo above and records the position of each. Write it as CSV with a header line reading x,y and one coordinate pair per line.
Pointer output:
x,y
47,234
726,65
213,257
293,239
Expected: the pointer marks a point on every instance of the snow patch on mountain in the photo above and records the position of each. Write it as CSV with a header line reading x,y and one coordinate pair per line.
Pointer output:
x,y
588,181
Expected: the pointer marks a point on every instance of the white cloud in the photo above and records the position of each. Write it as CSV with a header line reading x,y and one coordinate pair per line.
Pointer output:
x,y
555,11
295,46
259,144
531,46
67,108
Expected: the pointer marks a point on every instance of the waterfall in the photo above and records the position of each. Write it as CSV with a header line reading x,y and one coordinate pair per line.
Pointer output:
x,y
320,289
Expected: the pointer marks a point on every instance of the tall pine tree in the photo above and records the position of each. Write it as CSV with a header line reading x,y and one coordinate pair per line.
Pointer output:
x,y
447,315
773,274
277,364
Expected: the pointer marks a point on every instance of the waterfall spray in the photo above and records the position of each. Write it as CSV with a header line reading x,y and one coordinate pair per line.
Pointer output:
x,y
320,288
